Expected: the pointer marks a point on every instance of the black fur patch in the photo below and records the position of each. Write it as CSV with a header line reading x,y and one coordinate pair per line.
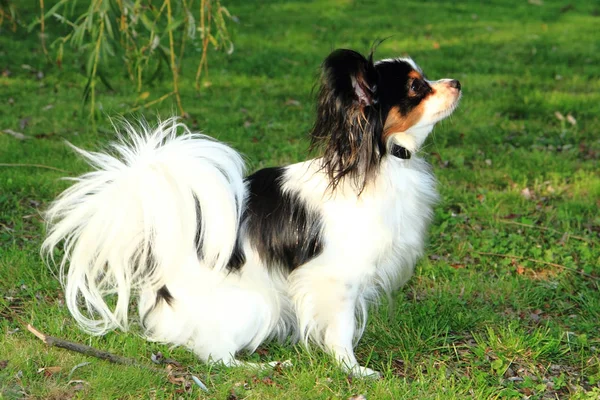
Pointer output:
x,y
280,226
164,294
198,239
394,87
237,259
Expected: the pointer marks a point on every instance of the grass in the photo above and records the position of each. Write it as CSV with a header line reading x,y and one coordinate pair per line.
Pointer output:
x,y
506,303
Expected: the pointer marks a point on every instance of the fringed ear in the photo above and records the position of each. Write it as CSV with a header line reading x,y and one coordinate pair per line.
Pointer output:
x,y
350,77
347,119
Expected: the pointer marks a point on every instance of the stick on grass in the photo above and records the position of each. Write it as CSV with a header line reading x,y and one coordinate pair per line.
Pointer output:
x,y
83,349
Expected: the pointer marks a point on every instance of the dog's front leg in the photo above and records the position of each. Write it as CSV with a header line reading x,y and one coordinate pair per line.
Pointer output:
x,y
326,309
339,336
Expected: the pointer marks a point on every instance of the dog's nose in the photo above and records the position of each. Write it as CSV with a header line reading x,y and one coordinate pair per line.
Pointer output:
x,y
455,84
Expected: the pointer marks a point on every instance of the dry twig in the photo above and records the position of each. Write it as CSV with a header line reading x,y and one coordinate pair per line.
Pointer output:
x,y
85,349
114,358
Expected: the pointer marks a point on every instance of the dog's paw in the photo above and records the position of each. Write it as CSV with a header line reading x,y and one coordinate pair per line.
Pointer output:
x,y
364,372
282,364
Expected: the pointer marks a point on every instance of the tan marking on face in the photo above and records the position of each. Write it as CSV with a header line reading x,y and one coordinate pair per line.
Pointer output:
x,y
415,75
396,122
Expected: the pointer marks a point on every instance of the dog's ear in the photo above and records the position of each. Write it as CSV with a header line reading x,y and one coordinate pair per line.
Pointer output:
x,y
348,123
350,77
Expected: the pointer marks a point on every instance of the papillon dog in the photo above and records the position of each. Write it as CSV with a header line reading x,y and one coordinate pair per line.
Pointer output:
x,y
219,262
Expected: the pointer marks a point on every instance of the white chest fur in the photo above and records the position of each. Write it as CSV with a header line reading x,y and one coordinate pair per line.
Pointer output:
x,y
375,237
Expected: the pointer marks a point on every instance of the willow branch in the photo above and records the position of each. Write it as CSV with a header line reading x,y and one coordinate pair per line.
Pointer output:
x,y
173,63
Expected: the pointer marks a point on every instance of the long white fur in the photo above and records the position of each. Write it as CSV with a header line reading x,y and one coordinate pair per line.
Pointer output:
x,y
138,205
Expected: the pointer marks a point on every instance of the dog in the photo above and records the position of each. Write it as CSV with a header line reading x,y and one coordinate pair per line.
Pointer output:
x,y
220,263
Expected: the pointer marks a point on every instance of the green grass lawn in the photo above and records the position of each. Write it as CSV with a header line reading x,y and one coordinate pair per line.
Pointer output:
x,y
506,302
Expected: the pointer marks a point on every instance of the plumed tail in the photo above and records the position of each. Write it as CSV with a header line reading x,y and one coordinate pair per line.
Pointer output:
x,y
153,201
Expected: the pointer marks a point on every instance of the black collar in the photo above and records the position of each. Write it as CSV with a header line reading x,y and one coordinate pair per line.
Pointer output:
x,y
400,152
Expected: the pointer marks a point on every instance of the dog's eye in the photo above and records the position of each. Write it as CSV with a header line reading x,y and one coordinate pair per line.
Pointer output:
x,y
416,86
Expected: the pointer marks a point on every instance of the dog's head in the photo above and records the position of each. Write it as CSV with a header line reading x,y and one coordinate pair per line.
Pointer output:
x,y
365,108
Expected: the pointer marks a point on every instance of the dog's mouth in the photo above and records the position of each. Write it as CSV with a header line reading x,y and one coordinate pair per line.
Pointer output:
x,y
445,113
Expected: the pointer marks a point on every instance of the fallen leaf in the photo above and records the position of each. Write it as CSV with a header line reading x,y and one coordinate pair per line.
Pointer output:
x,y
179,380
481,197
527,194
3,364
436,45
261,351
520,269
292,102
49,371
457,266
268,381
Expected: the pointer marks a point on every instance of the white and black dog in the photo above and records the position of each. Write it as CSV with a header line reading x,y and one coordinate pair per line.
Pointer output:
x,y
220,263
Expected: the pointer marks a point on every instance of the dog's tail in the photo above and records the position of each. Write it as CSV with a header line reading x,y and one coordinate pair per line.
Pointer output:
x,y
154,200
